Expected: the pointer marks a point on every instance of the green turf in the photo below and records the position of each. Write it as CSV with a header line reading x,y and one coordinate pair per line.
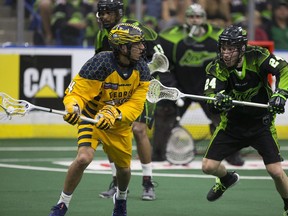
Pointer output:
x,y
31,192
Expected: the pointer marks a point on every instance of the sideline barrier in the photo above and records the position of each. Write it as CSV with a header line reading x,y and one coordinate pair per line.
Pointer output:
x,y
40,76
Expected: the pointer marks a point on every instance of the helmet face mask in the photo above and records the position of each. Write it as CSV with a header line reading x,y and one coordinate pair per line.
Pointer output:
x,y
195,17
112,8
232,41
125,34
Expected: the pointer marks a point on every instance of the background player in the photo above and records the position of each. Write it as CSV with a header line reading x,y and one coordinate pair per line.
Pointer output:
x,y
110,12
189,48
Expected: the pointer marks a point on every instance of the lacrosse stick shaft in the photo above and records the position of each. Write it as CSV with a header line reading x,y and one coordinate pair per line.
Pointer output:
x,y
63,113
235,102
157,92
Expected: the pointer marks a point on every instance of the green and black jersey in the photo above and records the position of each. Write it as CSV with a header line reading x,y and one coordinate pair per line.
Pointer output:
x,y
151,37
249,83
189,56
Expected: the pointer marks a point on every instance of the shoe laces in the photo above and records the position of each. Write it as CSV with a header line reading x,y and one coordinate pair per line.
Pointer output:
x,y
218,186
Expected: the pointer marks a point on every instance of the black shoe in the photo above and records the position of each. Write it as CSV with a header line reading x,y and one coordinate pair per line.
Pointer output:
x,y
218,189
58,210
235,159
119,207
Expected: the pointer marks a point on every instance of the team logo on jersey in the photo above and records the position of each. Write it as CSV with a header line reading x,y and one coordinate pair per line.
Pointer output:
x,y
195,59
112,86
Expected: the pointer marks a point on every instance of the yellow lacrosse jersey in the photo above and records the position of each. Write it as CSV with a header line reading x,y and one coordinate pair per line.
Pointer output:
x,y
101,81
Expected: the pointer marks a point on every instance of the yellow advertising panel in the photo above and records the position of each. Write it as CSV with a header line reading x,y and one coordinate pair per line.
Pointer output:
x,y
9,67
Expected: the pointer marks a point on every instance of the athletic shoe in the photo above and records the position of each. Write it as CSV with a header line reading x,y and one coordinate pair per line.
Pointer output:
x,y
148,189
110,192
58,210
119,207
218,189
235,159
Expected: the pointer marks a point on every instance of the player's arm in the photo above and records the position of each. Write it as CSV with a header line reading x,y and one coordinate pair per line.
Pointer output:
x,y
76,96
131,109
279,68
215,87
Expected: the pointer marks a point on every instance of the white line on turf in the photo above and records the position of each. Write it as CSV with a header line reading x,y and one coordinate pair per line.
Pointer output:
x,y
36,168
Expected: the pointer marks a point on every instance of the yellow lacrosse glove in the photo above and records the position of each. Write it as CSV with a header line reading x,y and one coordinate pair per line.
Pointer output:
x,y
73,115
106,117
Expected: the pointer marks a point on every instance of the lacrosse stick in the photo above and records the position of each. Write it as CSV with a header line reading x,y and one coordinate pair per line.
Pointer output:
x,y
180,148
158,92
13,107
158,63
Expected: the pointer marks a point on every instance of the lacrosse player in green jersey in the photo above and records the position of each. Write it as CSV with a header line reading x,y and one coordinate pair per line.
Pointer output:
x,y
240,72
109,13
189,48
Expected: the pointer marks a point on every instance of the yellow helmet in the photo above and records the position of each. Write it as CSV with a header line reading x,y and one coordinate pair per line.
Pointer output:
x,y
125,33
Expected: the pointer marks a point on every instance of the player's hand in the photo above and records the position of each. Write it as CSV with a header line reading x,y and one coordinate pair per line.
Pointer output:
x,y
277,103
106,117
73,112
223,102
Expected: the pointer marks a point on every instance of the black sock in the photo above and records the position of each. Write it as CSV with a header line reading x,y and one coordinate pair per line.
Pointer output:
x,y
285,203
115,181
225,179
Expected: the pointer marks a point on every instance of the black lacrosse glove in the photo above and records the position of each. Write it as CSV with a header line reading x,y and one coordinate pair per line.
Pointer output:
x,y
223,102
277,102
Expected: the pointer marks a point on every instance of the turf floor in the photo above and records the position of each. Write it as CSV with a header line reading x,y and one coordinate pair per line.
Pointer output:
x,y
31,181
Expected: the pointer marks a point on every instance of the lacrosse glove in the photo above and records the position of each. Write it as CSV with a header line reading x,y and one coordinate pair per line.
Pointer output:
x,y
223,102
73,115
106,117
277,102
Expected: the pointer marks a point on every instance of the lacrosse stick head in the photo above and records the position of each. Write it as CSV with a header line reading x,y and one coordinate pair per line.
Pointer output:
x,y
10,107
158,92
180,147
158,63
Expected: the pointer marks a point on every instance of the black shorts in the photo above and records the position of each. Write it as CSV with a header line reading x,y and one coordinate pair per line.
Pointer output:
x,y
147,116
224,144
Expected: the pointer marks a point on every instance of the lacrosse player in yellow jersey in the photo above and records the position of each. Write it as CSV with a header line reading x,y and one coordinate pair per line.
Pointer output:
x,y
111,87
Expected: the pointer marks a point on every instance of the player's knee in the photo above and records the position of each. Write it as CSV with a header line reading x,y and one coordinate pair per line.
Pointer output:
x,y
208,167
139,129
84,159
275,171
123,171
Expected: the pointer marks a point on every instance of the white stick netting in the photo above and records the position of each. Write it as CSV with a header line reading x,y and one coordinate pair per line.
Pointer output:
x,y
10,106
158,92
180,147
159,63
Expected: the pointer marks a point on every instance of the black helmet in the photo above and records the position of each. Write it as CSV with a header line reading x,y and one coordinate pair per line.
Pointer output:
x,y
233,36
110,5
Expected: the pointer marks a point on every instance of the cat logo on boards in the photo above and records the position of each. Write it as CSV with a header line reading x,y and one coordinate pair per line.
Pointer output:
x,y
43,79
